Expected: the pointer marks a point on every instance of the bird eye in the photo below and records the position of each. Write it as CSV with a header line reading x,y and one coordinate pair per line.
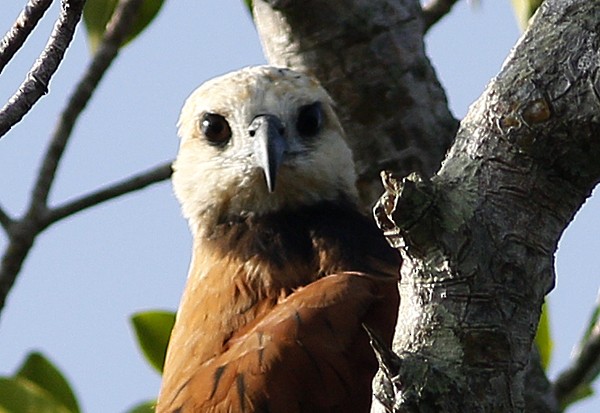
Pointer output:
x,y
310,119
216,129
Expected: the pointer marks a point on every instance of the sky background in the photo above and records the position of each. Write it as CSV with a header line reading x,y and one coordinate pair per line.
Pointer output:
x,y
86,275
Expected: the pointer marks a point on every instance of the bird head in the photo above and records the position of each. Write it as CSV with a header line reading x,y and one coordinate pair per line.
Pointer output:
x,y
259,140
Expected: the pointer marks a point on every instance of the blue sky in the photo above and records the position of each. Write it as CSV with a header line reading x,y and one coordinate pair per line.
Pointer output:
x,y
86,275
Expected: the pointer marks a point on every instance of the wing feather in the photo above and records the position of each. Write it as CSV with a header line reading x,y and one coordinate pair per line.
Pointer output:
x,y
317,331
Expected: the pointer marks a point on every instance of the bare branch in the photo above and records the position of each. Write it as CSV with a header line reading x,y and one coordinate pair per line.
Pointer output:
x,y
106,53
434,10
38,78
24,231
134,183
21,236
5,220
583,370
20,30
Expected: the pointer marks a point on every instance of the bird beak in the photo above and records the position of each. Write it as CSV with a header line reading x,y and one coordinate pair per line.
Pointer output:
x,y
270,145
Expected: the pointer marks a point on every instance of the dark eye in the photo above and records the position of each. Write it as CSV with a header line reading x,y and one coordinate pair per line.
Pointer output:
x,y
310,119
216,129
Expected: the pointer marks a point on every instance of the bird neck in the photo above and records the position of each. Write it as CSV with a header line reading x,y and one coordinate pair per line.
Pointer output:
x,y
281,249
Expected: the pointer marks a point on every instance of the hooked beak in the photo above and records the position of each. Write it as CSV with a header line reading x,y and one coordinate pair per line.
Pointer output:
x,y
270,145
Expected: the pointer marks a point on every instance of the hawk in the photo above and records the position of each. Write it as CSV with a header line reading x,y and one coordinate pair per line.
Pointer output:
x,y
286,269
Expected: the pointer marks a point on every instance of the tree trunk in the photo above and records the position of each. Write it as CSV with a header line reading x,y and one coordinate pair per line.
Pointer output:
x,y
478,238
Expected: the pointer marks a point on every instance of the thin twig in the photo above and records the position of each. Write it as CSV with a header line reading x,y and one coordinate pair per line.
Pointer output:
x,y
21,237
24,231
5,220
107,51
134,183
583,370
434,10
36,83
21,28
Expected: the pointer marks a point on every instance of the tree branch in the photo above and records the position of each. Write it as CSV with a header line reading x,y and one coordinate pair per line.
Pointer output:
x,y
583,369
434,10
108,49
478,238
23,232
20,30
21,237
38,78
134,183
5,220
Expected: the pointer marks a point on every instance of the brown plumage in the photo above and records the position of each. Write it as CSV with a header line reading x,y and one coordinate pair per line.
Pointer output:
x,y
285,269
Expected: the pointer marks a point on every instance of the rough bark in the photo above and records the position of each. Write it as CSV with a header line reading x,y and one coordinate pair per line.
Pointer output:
x,y
369,55
14,39
38,79
479,237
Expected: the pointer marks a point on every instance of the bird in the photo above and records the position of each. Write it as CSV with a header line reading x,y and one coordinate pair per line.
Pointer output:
x,y
287,269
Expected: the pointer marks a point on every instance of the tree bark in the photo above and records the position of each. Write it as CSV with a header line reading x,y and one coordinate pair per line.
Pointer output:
x,y
478,238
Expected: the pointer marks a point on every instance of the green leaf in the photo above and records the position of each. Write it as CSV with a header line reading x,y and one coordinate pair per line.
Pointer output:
x,y
248,4
148,11
145,407
97,14
153,330
578,394
19,395
524,10
543,338
39,370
